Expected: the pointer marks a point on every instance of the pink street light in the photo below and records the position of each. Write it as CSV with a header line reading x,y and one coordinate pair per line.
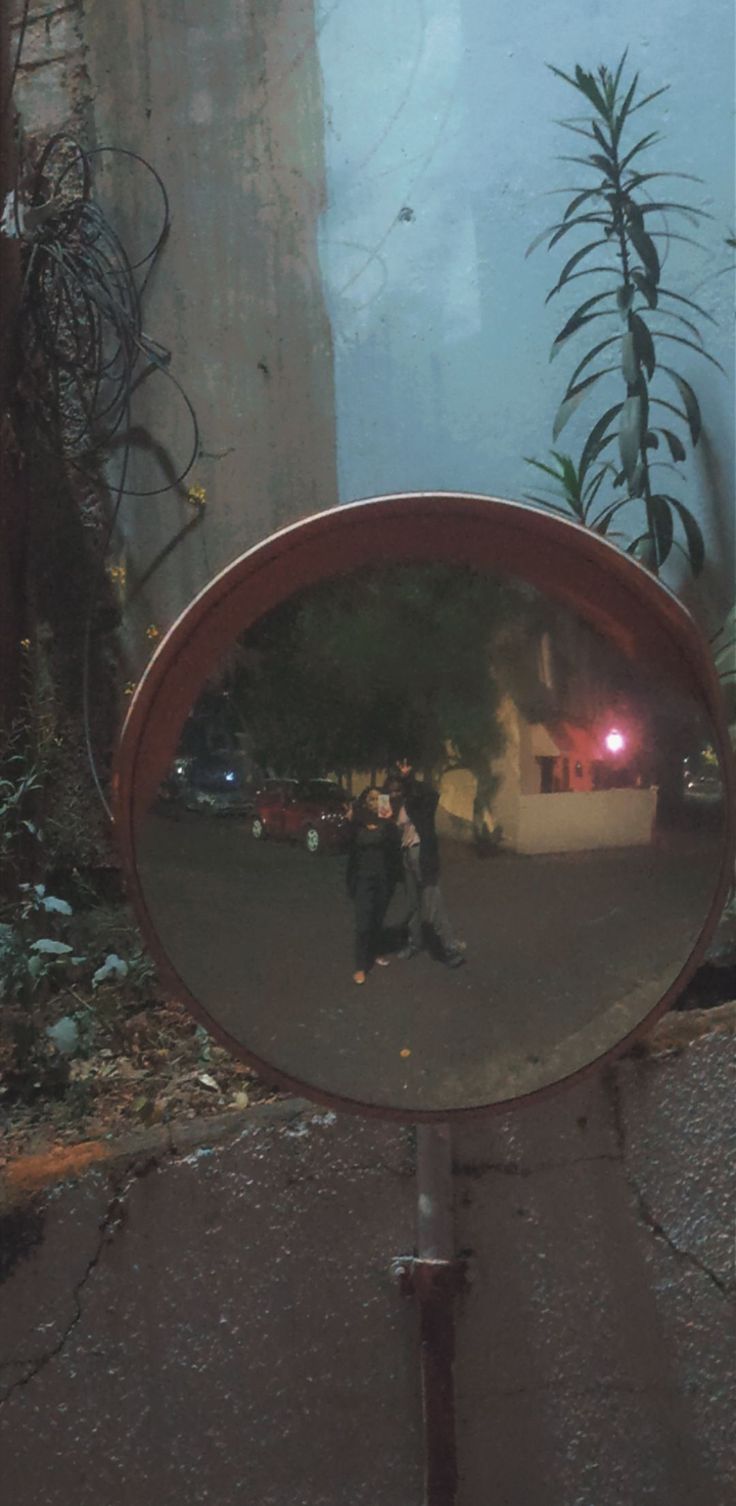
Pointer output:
x,y
615,741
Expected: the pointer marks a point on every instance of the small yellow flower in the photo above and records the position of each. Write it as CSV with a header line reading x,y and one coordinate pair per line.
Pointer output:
x,y
117,573
153,632
129,687
25,644
197,496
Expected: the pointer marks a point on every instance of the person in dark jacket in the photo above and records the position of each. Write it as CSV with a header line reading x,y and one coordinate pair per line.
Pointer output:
x,y
414,804
374,864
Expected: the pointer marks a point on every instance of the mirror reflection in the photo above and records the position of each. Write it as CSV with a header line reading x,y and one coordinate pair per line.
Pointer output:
x,y
429,841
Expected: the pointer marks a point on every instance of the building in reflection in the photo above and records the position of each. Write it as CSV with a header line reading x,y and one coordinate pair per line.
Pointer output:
x,y
540,734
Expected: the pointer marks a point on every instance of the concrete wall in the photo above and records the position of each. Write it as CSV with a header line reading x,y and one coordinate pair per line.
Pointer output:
x,y
569,822
209,1315
579,820
226,104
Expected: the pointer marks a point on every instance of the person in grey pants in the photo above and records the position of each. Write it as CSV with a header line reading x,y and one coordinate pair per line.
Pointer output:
x,y
414,804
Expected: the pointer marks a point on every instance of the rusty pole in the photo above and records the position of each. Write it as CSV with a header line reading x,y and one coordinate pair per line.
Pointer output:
x,y
433,1277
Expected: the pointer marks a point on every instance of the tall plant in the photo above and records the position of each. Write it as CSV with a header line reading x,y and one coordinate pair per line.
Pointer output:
x,y
637,322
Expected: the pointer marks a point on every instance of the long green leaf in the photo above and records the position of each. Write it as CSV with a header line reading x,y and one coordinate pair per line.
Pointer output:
x,y
636,179
645,248
641,146
602,522
674,235
569,125
591,356
693,535
631,433
619,71
659,402
570,481
591,161
647,288
676,446
562,227
680,319
620,120
574,397
581,219
573,325
666,334
692,407
587,304
597,437
625,296
643,344
593,487
660,206
576,259
581,198
644,550
540,466
660,515
587,272
629,359
698,307
587,86
649,97
605,145
559,74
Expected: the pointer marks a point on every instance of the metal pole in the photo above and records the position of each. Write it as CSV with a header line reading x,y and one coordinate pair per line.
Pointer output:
x,y
435,1228
433,1277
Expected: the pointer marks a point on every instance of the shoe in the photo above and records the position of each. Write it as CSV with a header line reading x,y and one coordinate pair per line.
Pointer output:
x,y
455,958
382,962
407,952
359,977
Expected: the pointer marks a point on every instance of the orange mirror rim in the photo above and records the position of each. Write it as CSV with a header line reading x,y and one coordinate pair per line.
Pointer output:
x,y
561,559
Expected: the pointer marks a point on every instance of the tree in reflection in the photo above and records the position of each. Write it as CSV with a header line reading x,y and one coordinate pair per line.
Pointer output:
x,y
406,659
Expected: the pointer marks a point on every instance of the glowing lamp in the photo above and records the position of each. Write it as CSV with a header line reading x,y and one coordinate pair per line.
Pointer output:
x,y
615,741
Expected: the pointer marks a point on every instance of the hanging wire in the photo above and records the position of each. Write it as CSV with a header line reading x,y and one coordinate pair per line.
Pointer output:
x,y
82,349
82,346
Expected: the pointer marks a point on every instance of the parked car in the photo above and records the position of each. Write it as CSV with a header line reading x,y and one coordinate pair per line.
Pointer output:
x,y
315,812
702,777
216,783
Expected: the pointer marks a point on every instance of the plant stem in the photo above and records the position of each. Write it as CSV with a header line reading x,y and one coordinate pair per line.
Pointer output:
x,y
620,227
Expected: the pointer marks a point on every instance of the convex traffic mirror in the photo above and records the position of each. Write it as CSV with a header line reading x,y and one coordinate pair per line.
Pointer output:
x,y
424,803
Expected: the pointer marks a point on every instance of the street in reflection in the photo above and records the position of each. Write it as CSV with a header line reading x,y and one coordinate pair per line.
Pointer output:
x,y
429,841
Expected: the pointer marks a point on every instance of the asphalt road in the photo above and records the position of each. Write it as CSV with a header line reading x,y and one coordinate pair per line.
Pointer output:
x,y
566,953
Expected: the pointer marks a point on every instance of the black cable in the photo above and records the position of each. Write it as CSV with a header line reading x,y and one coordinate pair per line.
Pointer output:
x,y
83,351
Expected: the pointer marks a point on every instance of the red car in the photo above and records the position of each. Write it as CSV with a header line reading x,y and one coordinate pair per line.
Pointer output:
x,y
315,812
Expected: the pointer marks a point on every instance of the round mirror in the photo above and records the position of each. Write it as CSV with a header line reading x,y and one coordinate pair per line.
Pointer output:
x,y
424,803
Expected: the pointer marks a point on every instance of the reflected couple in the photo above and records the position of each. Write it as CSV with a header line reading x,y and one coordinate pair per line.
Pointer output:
x,y
393,838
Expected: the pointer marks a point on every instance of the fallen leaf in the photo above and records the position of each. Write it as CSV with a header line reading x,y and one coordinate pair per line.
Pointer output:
x,y
240,1101
207,1081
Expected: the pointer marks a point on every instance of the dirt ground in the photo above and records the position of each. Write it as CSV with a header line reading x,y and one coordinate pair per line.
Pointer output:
x,y
138,1058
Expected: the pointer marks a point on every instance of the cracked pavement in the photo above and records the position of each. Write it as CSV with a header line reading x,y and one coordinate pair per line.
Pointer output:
x,y
228,1328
